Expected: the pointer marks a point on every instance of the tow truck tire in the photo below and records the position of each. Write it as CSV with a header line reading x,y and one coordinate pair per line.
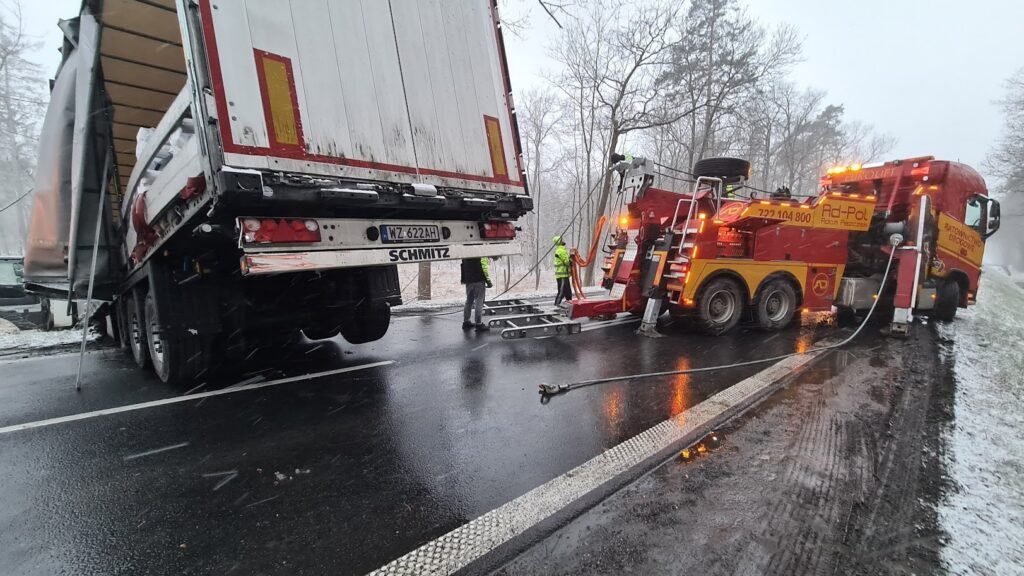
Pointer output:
x,y
719,306
947,300
136,331
775,305
367,323
177,356
728,169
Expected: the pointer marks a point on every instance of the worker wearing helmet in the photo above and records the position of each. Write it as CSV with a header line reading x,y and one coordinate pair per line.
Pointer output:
x,y
562,271
477,279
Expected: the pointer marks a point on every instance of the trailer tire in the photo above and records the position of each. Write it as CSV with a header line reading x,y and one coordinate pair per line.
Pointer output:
x,y
321,332
719,306
775,305
177,355
367,323
728,169
947,300
121,315
138,345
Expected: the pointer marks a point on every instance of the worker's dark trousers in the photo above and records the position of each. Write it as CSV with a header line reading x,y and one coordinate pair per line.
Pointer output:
x,y
564,291
475,292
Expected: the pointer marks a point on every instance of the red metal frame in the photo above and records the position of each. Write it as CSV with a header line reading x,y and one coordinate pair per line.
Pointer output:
x,y
216,73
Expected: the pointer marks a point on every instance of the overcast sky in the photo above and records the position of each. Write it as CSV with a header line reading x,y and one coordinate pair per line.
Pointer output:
x,y
925,71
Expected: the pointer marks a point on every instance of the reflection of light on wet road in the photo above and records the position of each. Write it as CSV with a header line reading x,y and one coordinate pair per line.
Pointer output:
x,y
679,387
613,409
804,341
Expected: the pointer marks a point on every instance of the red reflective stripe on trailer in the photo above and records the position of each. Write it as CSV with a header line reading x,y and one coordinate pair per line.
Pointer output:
x,y
507,83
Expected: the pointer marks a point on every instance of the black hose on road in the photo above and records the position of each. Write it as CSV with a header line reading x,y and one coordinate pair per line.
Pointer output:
x,y
548,390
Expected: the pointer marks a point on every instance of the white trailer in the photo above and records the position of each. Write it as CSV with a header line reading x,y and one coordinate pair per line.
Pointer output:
x,y
262,166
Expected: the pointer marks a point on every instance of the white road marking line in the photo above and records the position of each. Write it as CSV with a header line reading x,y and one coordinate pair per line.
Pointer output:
x,y
471,541
178,399
156,451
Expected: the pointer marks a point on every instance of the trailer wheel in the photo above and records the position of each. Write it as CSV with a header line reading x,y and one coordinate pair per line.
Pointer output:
x,y
719,306
728,169
136,331
947,300
775,305
177,355
367,323
322,332
123,331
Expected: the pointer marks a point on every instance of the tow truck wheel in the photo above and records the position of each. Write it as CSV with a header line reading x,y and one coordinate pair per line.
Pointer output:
x,y
775,305
136,331
719,306
947,300
728,169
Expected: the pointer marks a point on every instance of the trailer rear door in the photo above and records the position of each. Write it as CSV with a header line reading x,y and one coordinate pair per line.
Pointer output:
x,y
389,90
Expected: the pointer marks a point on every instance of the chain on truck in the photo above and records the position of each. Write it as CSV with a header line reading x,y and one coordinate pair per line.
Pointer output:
x,y
715,255
260,169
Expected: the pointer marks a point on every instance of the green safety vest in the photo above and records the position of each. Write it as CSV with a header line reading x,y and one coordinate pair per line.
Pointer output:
x,y
561,262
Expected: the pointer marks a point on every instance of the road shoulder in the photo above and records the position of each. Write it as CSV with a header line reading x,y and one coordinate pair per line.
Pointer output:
x,y
840,470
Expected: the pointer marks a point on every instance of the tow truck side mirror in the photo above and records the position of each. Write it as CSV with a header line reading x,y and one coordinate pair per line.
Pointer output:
x,y
992,224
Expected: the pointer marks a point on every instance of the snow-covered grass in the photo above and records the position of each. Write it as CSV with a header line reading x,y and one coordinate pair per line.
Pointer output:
x,y
984,515
27,340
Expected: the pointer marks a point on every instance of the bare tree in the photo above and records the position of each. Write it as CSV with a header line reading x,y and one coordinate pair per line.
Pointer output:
x,y
614,56
1006,160
541,114
21,109
723,56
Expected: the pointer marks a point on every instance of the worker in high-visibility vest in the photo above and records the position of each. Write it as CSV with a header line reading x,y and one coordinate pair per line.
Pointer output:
x,y
562,271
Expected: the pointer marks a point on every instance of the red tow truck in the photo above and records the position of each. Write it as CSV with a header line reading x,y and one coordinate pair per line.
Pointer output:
x,y
717,254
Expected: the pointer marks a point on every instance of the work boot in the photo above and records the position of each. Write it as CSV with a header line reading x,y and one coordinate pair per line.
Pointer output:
x,y
467,325
483,328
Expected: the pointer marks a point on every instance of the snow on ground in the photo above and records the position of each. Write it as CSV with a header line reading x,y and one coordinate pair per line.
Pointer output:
x,y
984,514
36,339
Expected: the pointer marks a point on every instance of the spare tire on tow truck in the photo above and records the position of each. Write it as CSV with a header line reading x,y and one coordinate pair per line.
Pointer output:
x,y
728,169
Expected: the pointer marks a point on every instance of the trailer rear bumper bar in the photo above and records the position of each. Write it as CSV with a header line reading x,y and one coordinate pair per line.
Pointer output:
x,y
283,262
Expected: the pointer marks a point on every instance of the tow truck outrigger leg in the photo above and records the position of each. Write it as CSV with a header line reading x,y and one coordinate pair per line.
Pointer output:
x,y
649,324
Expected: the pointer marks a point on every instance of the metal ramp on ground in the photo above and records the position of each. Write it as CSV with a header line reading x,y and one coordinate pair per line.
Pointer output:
x,y
521,319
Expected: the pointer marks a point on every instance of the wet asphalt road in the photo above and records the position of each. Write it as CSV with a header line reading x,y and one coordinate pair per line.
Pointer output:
x,y
339,474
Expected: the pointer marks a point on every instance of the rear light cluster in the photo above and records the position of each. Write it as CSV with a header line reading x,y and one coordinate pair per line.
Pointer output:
x,y
279,231
497,230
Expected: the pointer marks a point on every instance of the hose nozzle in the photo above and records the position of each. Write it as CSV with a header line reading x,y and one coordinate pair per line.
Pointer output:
x,y
553,389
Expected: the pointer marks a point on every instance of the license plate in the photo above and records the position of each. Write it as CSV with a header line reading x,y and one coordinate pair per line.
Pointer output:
x,y
397,234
